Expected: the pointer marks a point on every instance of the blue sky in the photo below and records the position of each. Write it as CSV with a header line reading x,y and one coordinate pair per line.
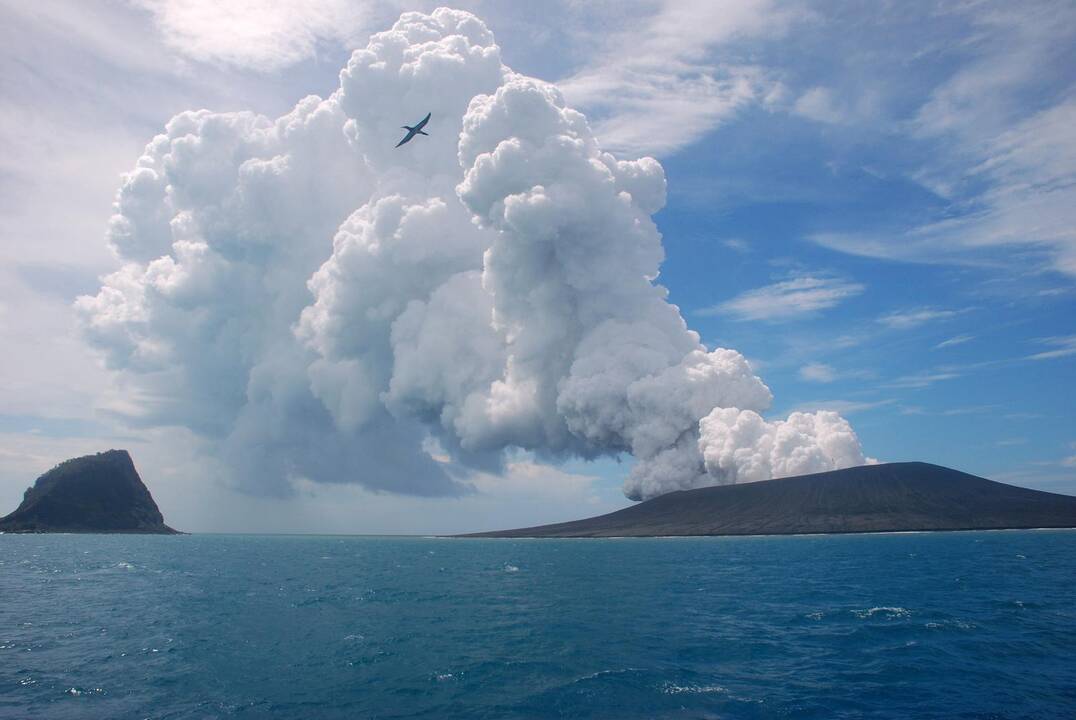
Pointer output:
x,y
932,359
877,206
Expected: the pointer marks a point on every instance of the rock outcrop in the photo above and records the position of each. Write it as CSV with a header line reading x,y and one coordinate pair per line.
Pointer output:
x,y
99,493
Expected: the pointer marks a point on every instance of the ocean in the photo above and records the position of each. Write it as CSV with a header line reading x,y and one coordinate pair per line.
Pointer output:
x,y
933,625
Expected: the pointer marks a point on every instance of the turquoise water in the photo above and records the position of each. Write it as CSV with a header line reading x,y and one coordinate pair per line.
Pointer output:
x,y
957,625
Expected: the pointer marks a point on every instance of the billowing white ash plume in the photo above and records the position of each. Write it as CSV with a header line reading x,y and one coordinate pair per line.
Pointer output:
x,y
317,303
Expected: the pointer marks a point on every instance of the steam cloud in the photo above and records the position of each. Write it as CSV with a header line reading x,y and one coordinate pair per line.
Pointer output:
x,y
492,293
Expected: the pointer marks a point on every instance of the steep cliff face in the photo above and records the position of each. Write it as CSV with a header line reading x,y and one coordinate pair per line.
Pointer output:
x,y
872,498
99,493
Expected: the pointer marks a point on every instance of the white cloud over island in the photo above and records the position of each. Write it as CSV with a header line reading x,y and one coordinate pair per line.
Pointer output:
x,y
317,305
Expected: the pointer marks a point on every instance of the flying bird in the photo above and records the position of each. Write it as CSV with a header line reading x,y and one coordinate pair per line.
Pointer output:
x,y
416,130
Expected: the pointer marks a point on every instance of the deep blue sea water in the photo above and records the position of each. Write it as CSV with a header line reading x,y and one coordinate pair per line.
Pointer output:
x,y
943,625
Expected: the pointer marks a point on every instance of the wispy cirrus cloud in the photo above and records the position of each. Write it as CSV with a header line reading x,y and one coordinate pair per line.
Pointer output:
x,y
907,319
1068,461
844,407
788,299
1063,346
818,104
823,105
922,380
256,34
1002,168
953,341
657,86
738,244
818,372
948,412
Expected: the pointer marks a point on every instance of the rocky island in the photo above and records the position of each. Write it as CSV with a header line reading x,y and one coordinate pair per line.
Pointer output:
x,y
873,498
99,493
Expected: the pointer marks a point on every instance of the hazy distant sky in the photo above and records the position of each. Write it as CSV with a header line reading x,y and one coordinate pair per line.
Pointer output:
x,y
875,204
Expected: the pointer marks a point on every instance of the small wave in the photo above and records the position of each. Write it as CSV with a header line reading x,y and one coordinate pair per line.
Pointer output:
x,y
673,689
959,624
125,566
510,568
75,692
815,615
886,612
602,673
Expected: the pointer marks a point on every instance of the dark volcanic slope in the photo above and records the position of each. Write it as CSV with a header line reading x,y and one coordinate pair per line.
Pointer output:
x,y
872,498
95,493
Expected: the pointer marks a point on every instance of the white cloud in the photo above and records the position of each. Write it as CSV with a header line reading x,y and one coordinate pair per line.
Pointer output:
x,y
1000,135
1063,346
922,380
907,319
818,372
254,33
825,105
969,410
315,304
742,447
1022,416
844,407
655,87
530,481
955,340
818,104
1031,172
1005,49
903,248
787,299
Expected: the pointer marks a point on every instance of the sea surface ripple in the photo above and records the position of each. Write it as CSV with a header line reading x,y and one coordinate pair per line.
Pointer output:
x,y
936,625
